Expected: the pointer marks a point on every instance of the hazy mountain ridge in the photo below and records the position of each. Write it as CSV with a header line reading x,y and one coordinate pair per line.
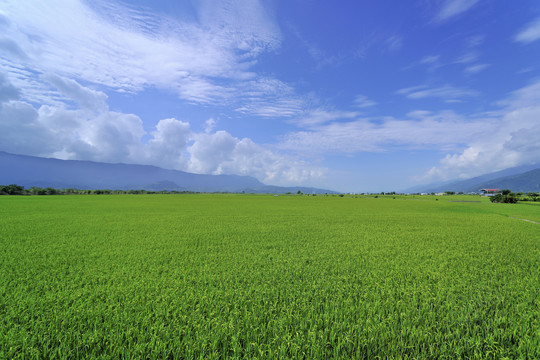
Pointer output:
x,y
518,179
31,171
528,181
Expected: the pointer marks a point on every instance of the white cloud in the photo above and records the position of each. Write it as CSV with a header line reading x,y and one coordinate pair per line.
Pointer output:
x,y
430,59
476,143
86,98
530,33
446,92
362,101
21,132
394,43
221,153
424,131
467,58
124,49
90,131
320,116
473,69
210,125
523,98
509,139
453,8
475,41
269,97
168,144
210,151
524,143
7,90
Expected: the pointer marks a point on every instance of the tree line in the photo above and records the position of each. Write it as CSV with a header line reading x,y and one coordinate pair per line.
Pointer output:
x,y
14,189
509,197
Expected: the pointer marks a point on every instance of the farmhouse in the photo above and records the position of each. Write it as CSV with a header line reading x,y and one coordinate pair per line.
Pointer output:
x,y
489,192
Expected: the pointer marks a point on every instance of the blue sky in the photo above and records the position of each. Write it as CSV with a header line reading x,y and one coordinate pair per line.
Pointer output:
x,y
347,95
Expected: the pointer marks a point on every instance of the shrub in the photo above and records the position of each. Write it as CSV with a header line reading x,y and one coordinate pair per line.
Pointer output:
x,y
506,197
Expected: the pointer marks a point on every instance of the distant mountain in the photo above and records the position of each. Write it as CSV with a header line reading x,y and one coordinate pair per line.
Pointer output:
x,y
528,181
518,179
31,171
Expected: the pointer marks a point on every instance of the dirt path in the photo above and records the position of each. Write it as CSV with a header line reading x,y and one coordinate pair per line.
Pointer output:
x,y
534,222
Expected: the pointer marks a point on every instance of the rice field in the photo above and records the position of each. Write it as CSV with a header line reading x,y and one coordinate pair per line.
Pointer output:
x,y
257,276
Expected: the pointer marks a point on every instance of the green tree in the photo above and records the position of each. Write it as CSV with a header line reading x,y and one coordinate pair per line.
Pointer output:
x,y
12,189
51,191
507,198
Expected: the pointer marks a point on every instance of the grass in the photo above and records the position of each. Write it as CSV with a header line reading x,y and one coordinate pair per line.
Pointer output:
x,y
241,276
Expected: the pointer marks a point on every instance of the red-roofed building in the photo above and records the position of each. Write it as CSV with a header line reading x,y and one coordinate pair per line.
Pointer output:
x,y
489,192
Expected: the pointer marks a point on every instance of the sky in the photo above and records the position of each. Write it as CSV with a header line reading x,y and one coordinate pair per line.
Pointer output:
x,y
352,96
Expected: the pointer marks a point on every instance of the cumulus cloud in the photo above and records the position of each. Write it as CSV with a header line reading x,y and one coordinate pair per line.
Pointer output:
x,y
475,143
21,131
86,98
210,125
221,153
530,33
509,139
88,130
168,144
7,90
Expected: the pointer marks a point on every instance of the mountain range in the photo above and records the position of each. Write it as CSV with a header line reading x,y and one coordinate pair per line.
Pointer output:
x,y
31,171
524,179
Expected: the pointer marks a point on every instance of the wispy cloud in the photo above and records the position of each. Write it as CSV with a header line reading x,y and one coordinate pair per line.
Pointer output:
x,y
430,62
320,56
268,97
395,43
430,59
453,8
473,69
530,33
446,92
199,60
512,138
362,101
467,58
424,131
321,116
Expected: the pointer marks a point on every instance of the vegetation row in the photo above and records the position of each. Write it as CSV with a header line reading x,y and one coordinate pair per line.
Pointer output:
x,y
504,196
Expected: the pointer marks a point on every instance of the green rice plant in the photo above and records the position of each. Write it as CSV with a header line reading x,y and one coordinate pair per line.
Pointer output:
x,y
258,276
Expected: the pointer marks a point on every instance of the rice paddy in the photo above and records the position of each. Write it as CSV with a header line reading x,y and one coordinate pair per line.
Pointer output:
x,y
259,276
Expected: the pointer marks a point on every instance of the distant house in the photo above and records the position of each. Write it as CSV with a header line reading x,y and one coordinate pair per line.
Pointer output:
x,y
489,192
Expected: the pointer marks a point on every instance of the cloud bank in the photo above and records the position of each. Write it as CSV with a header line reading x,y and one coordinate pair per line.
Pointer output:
x,y
475,143
205,60
91,131
509,138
